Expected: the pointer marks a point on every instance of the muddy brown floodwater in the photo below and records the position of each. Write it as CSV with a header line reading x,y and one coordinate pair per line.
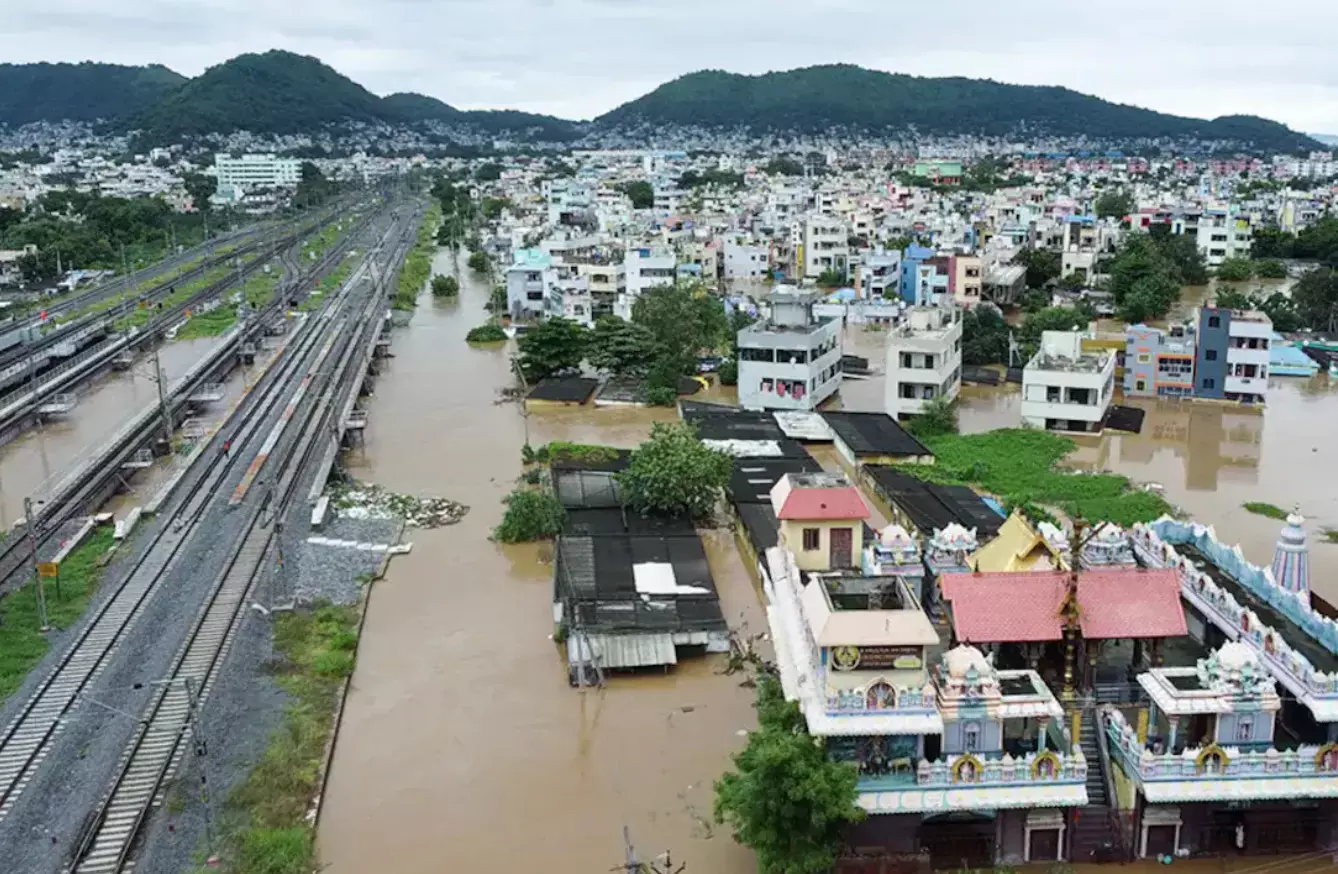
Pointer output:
x,y
462,747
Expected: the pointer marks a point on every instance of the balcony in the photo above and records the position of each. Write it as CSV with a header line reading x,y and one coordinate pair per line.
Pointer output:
x,y
1213,772
968,782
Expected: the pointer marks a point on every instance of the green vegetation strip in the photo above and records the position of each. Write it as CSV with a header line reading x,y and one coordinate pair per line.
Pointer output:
x,y
258,291
1021,466
22,645
488,332
265,826
418,263
1260,508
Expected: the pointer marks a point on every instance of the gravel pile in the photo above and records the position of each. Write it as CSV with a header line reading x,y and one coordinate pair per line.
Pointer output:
x,y
356,500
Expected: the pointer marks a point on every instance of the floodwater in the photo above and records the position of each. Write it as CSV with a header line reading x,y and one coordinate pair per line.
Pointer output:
x,y
39,457
462,747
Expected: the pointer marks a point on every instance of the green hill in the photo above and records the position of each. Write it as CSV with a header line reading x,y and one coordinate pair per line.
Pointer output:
x,y
275,92
80,92
416,107
815,99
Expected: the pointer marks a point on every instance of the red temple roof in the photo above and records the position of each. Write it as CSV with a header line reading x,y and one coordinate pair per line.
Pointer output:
x,y
1017,607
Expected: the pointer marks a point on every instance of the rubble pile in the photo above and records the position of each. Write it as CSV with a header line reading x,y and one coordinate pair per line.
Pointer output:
x,y
356,500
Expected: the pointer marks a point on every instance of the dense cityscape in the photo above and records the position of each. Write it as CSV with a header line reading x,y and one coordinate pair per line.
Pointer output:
x,y
822,470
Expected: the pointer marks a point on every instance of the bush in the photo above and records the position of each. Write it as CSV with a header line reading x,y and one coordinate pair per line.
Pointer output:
x,y
531,514
333,663
675,473
479,262
445,286
1235,270
1270,268
661,396
277,851
728,372
486,333
936,417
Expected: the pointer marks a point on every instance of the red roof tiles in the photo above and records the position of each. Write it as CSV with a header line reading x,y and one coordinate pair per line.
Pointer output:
x,y
823,503
1024,606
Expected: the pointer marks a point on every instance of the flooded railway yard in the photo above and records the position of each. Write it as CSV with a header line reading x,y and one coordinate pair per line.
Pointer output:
x,y
462,747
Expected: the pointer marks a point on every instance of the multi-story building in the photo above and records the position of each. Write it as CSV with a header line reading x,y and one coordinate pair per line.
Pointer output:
x,y
921,277
824,247
880,273
1231,361
791,360
1159,362
1065,388
965,279
607,283
924,359
645,267
256,171
539,286
744,260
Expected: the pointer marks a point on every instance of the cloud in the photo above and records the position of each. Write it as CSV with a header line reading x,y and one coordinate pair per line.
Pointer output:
x,y
578,58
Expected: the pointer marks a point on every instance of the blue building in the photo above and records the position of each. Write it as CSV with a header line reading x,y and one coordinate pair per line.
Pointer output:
x,y
917,275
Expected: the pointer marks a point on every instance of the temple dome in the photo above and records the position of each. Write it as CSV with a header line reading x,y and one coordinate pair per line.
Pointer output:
x,y
963,658
1235,655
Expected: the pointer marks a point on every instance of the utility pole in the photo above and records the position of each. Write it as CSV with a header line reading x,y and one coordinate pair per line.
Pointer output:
x,y
31,524
162,399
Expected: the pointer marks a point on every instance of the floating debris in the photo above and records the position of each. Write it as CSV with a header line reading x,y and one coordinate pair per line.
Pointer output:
x,y
356,500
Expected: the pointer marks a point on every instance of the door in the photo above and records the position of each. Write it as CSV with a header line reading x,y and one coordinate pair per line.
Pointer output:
x,y
841,541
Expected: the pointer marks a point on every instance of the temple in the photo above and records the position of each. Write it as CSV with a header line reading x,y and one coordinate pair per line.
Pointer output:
x,y
1054,694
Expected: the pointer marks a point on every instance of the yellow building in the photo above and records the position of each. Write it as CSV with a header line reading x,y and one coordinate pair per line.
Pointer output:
x,y
1018,547
821,519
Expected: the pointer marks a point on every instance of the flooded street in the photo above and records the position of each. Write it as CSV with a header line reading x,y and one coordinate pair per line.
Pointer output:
x,y
461,732
43,454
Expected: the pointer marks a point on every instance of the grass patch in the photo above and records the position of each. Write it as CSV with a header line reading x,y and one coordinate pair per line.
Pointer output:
x,y
1259,508
560,450
211,324
1021,466
1330,535
22,646
265,829
417,266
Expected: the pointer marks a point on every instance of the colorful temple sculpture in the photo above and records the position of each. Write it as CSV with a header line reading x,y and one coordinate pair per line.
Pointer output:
x,y
896,553
1108,546
1291,558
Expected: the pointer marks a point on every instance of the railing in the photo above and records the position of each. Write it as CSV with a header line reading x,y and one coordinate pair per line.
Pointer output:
x,y
1152,546
967,769
1215,762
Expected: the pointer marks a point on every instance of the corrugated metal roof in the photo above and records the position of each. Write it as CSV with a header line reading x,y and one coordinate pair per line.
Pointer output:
x,y
617,651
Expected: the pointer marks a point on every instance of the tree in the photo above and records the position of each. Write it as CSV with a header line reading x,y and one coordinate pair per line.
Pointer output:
x,y
1235,270
445,286
1073,282
488,332
313,188
831,278
620,347
673,473
1042,265
479,262
641,193
785,798
1182,254
1272,243
489,172
683,320
936,418
553,346
492,207
1141,265
1116,203
1234,299
200,188
1048,319
531,514
1270,268
1151,297
1316,299
984,337
783,165
1281,310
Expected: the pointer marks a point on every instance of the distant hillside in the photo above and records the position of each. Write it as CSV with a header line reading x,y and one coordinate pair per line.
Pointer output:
x,y
1326,139
416,107
276,92
80,92
818,98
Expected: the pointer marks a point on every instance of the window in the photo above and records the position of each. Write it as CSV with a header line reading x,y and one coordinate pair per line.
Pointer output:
x,y
1214,321
1140,385
812,539
1245,728
1209,382
971,737
1210,354
1144,357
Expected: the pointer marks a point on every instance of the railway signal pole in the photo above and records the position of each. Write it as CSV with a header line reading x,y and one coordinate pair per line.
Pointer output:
x,y
31,524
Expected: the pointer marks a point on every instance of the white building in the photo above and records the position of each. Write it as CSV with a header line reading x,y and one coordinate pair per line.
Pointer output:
x,y
1249,338
880,273
824,247
744,260
924,359
792,360
1065,388
644,267
539,285
257,171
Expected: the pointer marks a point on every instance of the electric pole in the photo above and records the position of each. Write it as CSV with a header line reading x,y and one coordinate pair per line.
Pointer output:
x,y
162,399
201,750
31,524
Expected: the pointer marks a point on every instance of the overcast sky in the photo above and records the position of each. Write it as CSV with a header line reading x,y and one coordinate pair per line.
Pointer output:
x,y
578,58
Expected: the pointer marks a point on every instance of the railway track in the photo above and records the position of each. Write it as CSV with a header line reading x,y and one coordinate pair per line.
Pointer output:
x,y
160,742
14,564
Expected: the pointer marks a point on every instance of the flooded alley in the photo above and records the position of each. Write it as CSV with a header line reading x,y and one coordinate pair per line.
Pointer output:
x,y
461,732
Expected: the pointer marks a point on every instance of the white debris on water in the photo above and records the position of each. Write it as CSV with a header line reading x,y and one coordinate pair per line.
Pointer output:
x,y
369,501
